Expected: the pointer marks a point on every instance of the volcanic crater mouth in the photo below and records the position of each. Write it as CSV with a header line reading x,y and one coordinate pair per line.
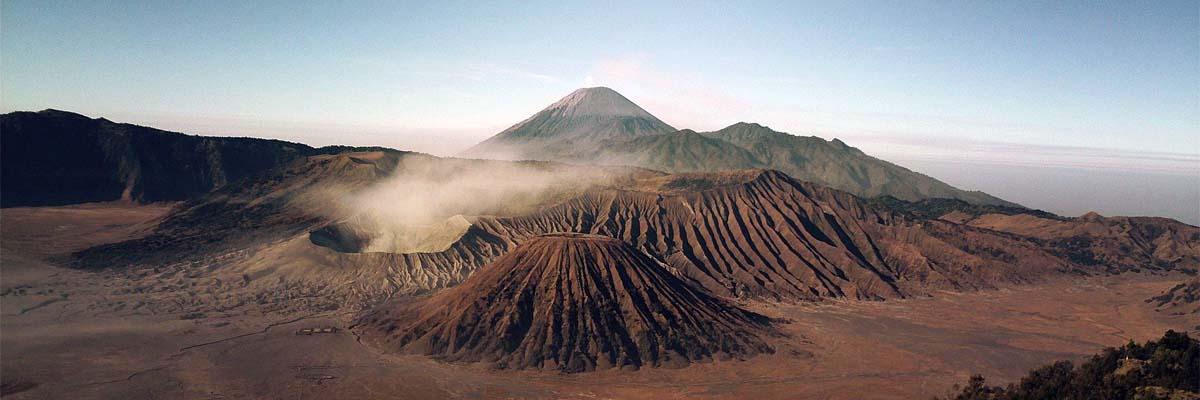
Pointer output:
x,y
374,236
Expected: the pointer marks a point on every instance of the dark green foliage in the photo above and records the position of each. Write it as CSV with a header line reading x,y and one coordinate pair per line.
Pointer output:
x,y
338,149
935,208
1170,364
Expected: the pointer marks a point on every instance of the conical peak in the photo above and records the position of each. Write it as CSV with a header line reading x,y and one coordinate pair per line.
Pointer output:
x,y
597,90
597,101
585,117
536,289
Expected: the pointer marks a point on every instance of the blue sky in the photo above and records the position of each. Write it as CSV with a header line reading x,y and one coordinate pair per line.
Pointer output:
x,y
903,80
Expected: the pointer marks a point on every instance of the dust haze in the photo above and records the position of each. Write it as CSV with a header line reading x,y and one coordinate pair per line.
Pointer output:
x,y
428,203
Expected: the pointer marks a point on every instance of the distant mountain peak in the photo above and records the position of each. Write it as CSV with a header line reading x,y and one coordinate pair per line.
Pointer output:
x,y
747,125
599,125
597,102
751,129
585,117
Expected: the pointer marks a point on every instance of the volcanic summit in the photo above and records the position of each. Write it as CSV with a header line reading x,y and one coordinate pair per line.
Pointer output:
x,y
581,120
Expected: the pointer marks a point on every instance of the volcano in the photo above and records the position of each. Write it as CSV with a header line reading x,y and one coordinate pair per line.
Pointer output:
x,y
600,126
581,120
572,302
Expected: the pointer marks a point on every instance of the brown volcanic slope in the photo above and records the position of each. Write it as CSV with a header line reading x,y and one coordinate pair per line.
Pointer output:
x,y
762,234
1116,243
572,302
284,227
248,211
753,233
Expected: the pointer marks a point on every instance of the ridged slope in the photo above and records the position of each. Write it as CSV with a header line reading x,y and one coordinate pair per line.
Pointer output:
x,y
574,303
743,233
1113,243
762,234
756,234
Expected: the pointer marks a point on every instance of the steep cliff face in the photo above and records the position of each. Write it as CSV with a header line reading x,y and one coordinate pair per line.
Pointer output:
x,y
54,157
574,303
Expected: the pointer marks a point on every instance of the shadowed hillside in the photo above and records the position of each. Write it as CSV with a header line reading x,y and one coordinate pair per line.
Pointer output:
x,y
56,157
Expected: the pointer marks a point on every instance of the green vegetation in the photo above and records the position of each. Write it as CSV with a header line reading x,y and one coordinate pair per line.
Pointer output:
x,y
1168,368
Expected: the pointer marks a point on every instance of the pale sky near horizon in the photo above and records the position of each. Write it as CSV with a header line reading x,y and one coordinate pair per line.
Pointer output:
x,y
1095,86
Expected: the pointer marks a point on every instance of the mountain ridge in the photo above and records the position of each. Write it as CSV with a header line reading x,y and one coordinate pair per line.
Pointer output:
x,y
618,132
55,157
836,164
